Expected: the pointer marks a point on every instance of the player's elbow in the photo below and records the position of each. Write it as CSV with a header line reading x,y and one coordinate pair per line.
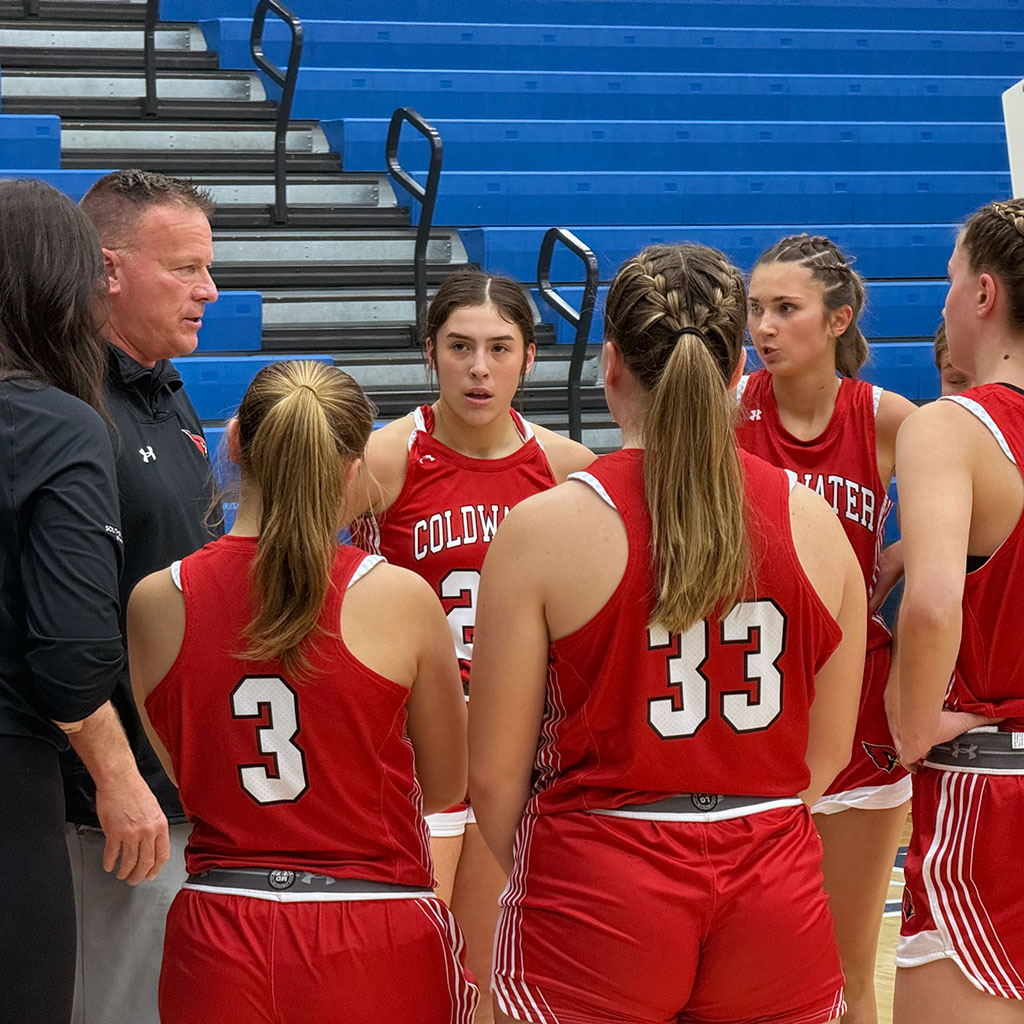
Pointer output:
x,y
928,611
443,785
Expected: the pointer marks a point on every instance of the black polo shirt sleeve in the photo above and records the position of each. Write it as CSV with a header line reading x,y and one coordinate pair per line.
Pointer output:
x,y
63,545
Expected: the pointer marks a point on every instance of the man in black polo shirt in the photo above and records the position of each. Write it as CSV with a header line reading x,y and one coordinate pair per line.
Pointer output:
x,y
157,246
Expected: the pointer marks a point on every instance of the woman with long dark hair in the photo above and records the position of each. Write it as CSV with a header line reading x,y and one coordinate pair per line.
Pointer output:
x,y
60,554
438,483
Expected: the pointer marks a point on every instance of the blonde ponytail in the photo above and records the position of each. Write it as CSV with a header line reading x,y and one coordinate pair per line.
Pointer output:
x,y
300,424
677,313
694,489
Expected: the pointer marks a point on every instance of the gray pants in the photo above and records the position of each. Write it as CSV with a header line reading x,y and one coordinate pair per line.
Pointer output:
x,y
120,931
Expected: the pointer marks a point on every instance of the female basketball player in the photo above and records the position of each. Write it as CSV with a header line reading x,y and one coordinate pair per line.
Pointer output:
x,y
961,653
806,412
649,639
283,678
951,380
440,481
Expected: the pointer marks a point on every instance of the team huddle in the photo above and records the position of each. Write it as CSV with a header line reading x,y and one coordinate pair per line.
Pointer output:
x,y
581,740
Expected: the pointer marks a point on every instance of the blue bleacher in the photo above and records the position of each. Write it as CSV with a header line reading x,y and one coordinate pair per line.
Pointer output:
x,y
880,250
894,310
29,141
710,197
532,145
561,95
963,15
74,183
731,122
515,47
234,323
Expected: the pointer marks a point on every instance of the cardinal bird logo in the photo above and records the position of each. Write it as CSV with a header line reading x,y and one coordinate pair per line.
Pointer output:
x,y
198,441
907,907
883,757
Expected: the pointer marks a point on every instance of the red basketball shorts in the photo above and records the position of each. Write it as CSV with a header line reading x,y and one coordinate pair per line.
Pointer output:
x,y
874,778
239,960
964,893
611,919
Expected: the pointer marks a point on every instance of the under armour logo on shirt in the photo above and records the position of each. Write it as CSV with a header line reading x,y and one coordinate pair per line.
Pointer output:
x,y
755,414
425,460
148,455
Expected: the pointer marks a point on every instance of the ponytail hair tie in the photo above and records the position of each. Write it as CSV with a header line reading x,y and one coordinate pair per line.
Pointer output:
x,y
695,331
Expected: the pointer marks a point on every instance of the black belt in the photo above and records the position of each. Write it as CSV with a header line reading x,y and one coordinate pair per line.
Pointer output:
x,y
694,805
993,753
284,879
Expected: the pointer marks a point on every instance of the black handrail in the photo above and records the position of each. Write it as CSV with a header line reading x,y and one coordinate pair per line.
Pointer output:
x,y
580,320
287,82
150,105
426,194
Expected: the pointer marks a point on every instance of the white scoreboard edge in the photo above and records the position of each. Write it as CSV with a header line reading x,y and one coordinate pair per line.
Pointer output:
x,y
1013,115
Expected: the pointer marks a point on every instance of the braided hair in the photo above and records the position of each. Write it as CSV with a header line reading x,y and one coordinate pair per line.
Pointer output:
x,y
677,313
993,241
840,286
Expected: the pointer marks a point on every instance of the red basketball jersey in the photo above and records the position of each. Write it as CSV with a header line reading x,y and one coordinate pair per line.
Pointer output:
x,y
989,674
446,514
315,775
841,464
634,714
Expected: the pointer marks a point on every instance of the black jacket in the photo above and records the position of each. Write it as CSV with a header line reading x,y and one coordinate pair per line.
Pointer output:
x,y
60,552
164,487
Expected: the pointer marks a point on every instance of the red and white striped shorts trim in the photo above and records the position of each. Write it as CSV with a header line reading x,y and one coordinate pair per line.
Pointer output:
x,y
959,902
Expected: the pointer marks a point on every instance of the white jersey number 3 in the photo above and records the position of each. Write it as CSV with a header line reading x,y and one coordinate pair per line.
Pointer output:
x,y
270,697
751,709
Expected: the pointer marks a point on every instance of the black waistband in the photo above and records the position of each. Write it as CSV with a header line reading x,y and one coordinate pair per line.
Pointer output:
x,y
999,753
283,879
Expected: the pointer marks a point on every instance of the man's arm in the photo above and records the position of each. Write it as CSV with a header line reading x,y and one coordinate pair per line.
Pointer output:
x,y
135,827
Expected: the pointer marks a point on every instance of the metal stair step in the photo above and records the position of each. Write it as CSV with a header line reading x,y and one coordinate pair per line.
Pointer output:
x,y
226,137
323,247
218,85
339,190
325,275
330,259
176,36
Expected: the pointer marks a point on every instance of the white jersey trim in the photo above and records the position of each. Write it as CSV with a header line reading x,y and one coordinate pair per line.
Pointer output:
x,y
523,428
982,413
593,483
176,573
419,424
368,563
792,478
311,897
741,387
876,396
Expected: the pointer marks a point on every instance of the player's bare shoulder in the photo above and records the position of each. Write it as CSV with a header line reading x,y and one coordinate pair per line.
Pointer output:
x,y
564,455
821,545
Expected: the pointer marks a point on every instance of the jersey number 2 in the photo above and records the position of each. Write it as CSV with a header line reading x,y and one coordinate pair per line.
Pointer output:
x,y
272,698
751,709
461,585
